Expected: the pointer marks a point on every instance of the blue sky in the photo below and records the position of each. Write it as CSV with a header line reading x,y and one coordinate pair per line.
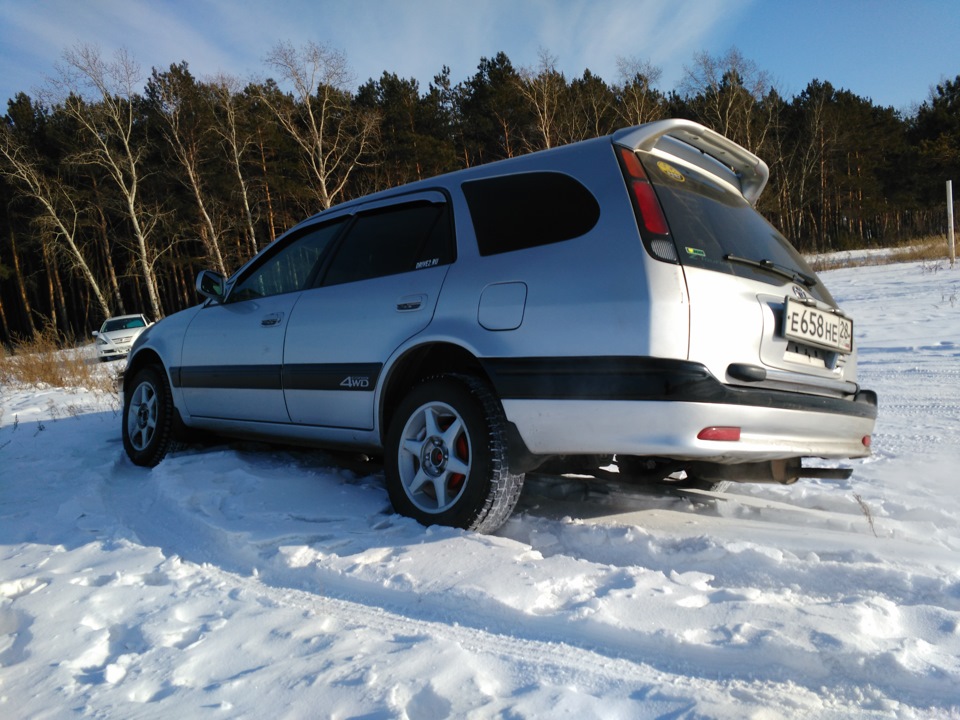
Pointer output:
x,y
893,52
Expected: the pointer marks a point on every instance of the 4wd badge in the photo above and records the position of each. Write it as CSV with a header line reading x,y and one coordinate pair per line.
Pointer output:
x,y
355,382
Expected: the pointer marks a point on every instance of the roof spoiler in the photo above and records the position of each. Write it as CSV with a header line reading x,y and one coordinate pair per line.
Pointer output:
x,y
749,172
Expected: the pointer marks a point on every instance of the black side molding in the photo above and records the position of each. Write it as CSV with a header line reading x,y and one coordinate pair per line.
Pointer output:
x,y
334,376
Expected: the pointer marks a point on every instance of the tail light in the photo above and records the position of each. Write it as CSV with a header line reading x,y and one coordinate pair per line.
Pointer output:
x,y
650,218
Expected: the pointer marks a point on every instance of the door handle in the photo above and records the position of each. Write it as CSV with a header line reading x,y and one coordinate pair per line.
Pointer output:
x,y
272,319
410,303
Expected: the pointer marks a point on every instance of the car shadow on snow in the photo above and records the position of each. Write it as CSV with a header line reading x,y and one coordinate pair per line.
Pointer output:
x,y
547,496
233,503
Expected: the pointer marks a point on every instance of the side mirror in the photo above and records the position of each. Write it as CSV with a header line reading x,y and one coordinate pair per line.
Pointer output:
x,y
210,284
95,333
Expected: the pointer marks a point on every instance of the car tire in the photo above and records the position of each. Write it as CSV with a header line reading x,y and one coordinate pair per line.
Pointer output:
x,y
148,417
446,456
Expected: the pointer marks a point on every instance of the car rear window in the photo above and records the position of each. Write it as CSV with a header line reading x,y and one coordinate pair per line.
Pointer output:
x,y
709,222
515,212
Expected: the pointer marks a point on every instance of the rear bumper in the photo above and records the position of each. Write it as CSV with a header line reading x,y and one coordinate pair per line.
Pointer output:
x,y
670,429
656,407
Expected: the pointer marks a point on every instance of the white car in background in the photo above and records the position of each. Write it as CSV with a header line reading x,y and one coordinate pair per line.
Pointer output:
x,y
115,337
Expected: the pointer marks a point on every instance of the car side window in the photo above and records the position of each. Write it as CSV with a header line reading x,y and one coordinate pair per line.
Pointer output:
x,y
289,269
393,240
525,210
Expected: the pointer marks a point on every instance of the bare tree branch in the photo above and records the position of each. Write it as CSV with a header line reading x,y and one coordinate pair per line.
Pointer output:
x,y
60,213
108,124
333,136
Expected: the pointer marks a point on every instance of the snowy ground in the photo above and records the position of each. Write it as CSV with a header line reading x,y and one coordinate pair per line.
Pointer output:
x,y
243,581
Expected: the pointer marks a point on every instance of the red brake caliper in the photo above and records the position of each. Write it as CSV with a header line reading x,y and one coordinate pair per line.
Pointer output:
x,y
456,480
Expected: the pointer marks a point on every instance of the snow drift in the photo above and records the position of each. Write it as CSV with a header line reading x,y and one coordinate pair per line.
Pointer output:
x,y
241,580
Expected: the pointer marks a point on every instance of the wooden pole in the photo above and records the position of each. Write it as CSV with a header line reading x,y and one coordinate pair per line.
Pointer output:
x,y
950,238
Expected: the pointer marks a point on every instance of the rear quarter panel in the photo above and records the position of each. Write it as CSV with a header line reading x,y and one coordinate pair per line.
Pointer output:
x,y
597,294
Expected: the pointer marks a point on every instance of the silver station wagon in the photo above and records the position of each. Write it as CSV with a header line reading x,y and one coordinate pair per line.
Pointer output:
x,y
618,298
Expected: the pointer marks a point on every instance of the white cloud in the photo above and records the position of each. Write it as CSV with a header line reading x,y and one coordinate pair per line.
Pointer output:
x,y
413,38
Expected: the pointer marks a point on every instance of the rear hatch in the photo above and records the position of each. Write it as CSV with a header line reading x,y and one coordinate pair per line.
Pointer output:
x,y
759,316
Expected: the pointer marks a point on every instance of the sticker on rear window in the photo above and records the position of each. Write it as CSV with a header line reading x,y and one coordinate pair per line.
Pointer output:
x,y
695,252
670,171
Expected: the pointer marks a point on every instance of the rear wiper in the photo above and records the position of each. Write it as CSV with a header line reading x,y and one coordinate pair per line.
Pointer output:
x,y
770,266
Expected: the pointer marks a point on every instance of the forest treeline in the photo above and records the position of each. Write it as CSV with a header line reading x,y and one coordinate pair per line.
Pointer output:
x,y
117,187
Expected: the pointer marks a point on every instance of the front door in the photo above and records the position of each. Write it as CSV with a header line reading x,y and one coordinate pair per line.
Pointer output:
x,y
233,351
232,359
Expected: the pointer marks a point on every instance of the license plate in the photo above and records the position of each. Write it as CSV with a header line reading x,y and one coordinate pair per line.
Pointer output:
x,y
813,326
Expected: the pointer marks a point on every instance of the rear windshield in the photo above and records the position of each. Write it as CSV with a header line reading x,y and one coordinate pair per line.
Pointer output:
x,y
709,222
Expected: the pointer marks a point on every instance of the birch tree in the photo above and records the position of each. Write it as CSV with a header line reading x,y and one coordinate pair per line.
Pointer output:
x,y
175,96
236,143
727,95
592,109
638,102
333,136
109,125
59,217
544,90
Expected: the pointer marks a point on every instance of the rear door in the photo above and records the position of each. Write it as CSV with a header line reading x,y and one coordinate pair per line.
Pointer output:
x,y
379,289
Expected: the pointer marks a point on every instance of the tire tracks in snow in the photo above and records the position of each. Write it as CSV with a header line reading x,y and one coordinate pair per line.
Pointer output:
x,y
354,566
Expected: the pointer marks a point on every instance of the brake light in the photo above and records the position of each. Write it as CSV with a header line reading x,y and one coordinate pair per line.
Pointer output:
x,y
650,211
866,440
720,434
645,199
